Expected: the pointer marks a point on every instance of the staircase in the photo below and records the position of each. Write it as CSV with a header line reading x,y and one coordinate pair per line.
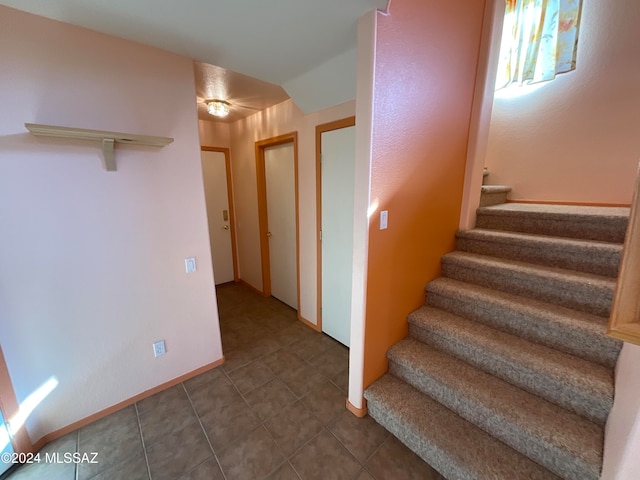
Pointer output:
x,y
507,372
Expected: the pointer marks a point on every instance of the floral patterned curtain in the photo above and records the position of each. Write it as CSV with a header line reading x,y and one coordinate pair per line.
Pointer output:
x,y
539,40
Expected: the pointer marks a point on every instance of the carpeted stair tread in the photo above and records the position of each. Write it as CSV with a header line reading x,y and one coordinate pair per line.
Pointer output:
x,y
456,448
563,442
593,223
570,331
599,258
580,291
584,211
583,387
495,189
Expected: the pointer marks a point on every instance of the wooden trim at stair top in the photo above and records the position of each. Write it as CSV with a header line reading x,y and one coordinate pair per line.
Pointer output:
x,y
125,403
627,333
624,322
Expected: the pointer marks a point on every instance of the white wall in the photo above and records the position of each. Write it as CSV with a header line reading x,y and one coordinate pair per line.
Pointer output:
x,y
575,139
283,118
325,85
367,26
481,111
91,262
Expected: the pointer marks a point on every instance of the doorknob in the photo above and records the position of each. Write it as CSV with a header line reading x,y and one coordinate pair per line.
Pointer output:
x,y
269,234
226,227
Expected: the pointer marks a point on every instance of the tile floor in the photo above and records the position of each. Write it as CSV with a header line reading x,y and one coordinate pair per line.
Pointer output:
x,y
274,410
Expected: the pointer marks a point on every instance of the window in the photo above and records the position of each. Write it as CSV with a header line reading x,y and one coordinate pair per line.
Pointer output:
x,y
539,40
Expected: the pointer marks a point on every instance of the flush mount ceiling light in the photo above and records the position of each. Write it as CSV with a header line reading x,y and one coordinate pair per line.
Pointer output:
x,y
218,108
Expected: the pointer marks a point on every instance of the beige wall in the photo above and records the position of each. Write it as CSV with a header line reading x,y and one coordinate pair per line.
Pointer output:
x,y
92,262
575,139
277,120
214,134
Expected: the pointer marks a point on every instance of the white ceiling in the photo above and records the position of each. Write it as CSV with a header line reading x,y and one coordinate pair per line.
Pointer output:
x,y
276,41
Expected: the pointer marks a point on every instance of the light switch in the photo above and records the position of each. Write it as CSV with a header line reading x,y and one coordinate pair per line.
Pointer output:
x,y
190,264
384,219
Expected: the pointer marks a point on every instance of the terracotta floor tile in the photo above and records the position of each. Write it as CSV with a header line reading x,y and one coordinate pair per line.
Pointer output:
x,y
253,457
230,424
394,460
361,436
178,453
115,440
208,470
203,379
325,401
251,376
324,458
285,472
134,468
294,426
268,399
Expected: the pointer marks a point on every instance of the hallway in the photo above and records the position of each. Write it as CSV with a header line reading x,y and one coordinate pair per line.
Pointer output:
x,y
274,410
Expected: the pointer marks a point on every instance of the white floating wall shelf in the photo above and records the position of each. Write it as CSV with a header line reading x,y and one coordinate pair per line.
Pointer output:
x,y
108,139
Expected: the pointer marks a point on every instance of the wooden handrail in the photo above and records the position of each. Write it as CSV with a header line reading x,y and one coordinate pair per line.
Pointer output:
x,y
624,323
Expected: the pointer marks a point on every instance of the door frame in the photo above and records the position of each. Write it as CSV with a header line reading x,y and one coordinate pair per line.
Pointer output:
x,y
232,215
263,220
320,129
10,407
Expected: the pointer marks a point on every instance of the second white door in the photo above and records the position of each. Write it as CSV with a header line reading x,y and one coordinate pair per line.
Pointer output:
x,y
279,166
338,176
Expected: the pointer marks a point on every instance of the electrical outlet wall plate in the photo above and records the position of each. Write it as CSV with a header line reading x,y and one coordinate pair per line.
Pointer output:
x,y
159,348
190,264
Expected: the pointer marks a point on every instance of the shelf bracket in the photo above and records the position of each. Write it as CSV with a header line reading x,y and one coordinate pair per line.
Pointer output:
x,y
108,139
109,154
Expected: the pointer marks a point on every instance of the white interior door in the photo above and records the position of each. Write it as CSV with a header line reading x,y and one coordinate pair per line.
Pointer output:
x,y
214,172
281,220
338,176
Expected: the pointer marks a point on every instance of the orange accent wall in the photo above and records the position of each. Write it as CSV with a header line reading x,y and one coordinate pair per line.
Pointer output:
x,y
425,71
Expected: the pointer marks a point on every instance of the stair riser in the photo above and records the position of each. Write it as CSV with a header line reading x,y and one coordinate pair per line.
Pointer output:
x,y
555,391
584,297
488,199
595,348
597,228
527,443
596,261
